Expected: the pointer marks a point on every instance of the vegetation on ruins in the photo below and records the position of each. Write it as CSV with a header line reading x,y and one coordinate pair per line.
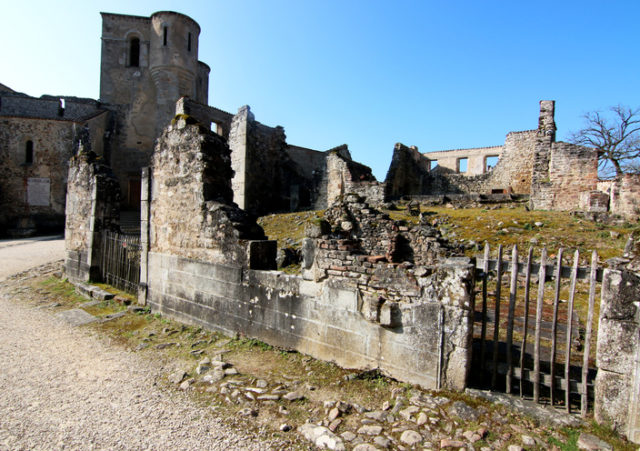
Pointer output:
x,y
615,135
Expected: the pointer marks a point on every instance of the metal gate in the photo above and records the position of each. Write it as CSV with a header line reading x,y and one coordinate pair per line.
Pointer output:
x,y
539,340
121,261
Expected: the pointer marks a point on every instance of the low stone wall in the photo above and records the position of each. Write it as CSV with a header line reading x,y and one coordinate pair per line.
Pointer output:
x,y
323,319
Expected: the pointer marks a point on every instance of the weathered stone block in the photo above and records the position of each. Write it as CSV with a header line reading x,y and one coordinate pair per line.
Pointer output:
x,y
612,399
620,295
618,345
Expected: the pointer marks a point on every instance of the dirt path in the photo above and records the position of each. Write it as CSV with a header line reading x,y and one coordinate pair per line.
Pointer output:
x,y
20,255
64,388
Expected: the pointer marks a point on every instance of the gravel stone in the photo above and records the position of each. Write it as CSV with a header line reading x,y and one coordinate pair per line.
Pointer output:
x,y
66,387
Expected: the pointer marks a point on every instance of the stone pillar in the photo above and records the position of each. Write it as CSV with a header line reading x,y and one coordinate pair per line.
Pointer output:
x,y
239,153
93,200
546,121
617,386
144,234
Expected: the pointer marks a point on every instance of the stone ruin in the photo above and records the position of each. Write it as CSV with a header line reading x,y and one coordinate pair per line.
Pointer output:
x,y
374,293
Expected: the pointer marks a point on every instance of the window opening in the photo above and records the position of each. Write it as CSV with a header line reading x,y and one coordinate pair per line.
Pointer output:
x,y
189,42
214,127
433,164
490,162
463,164
134,52
164,36
61,106
28,152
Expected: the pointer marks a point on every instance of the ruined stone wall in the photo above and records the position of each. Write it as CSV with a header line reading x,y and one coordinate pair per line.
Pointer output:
x,y
406,173
206,115
92,202
562,172
625,197
192,214
195,271
266,179
476,158
48,107
513,171
346,176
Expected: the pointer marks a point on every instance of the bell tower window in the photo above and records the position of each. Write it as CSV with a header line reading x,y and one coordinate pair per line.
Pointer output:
x,y
189,42
28,152
134,52
164,35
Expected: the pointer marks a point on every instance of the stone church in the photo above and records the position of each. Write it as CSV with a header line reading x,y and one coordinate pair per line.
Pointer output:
x,y
148,64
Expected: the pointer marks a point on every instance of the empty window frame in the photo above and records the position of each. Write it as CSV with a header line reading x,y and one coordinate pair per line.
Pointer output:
x,y
134,52
462,165
28,152
490,161
433,164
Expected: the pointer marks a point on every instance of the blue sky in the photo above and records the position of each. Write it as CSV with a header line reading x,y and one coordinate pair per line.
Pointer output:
x,y
438,75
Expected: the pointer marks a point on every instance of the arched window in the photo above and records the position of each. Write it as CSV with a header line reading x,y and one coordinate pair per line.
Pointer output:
x,y
134,52
28,152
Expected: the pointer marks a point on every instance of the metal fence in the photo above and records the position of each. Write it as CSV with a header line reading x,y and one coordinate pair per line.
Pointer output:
x,y
522,351
121,261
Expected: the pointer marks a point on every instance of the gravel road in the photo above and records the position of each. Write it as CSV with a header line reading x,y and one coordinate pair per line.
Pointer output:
x,y
20,255
66,388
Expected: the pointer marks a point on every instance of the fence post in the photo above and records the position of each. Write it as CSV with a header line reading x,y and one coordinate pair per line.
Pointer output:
x,y
617,386
145,205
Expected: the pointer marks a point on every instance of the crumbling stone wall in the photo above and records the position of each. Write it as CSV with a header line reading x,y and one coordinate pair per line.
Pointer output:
x,y
93,205
617,385
531,162
347,176
404,277
625,197
264,172
192,211
562,172
199,268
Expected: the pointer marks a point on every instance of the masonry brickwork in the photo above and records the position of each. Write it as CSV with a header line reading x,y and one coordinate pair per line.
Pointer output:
x,y
38,136
207,277
93,205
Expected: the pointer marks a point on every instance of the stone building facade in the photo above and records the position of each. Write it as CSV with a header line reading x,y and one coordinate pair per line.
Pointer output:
x,y
554,174
38,136
147,64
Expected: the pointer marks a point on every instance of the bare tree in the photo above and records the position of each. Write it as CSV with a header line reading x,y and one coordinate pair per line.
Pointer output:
x,y
616,138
